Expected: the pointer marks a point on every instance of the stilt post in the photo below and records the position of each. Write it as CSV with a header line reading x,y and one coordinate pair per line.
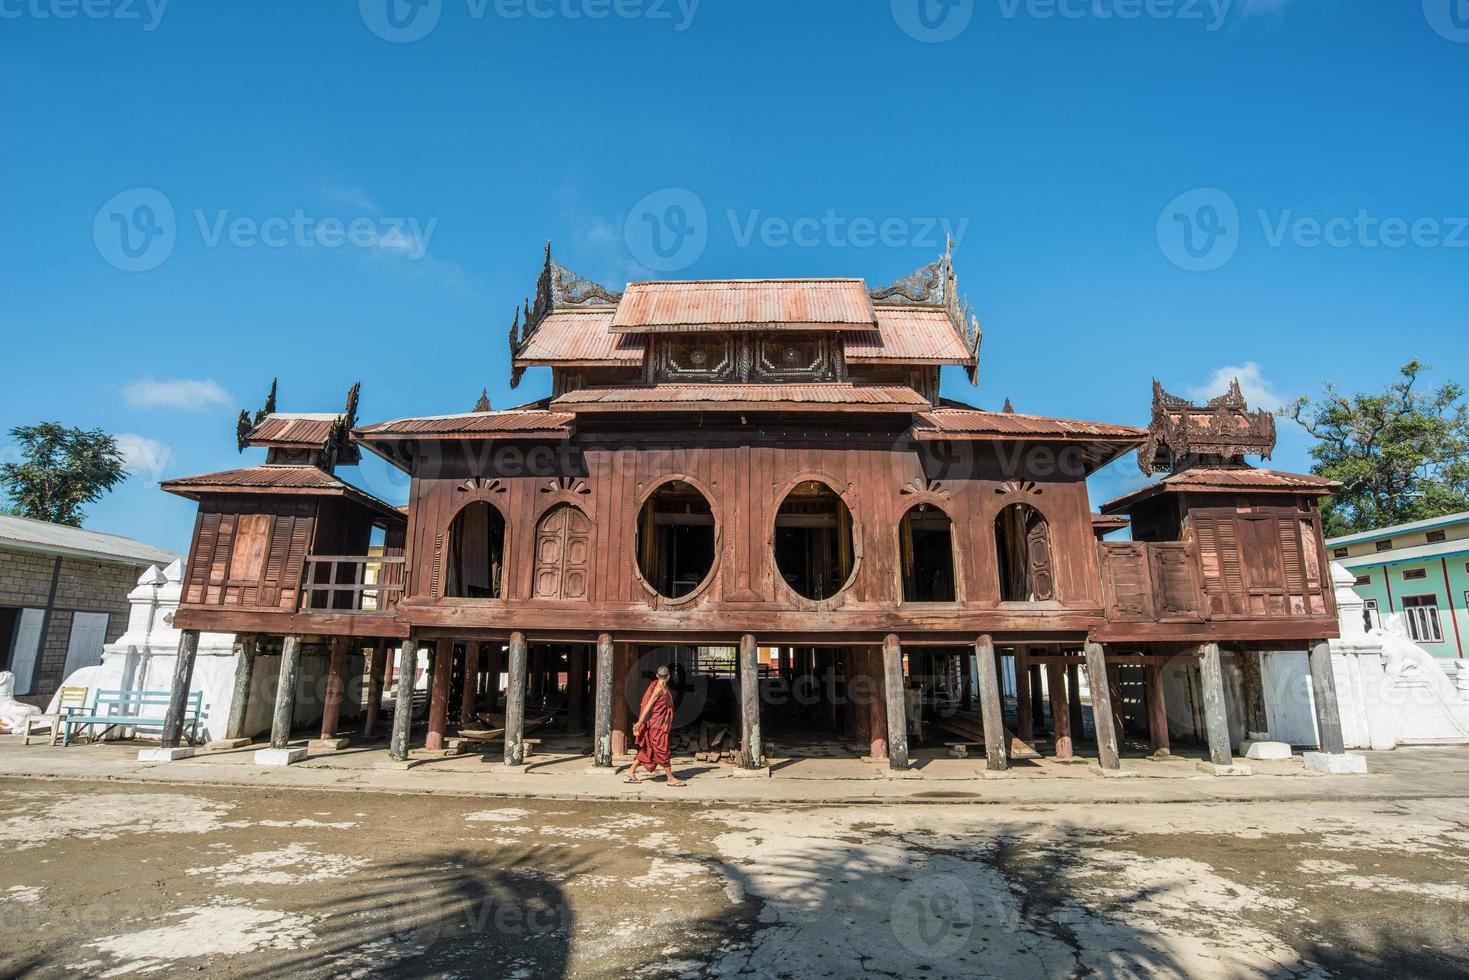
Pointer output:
x,y
1099,679
403,702
1060,714
1323,694
602,724
178,695
896,696
244,679
1216,722
515,702
376,677
752,748
996,752
1157,710
336,680
285,693
469,700
1024,712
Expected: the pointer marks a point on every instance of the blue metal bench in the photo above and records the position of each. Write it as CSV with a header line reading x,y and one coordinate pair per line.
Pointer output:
x,y
130,709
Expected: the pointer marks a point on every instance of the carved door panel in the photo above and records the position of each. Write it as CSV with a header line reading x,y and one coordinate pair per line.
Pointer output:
x,y
1042,576
563,554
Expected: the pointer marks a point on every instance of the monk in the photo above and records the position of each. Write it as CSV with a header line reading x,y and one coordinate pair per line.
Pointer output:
x,y
651,730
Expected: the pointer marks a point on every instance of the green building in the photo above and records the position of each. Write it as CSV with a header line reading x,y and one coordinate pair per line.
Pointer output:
x,y
1419,569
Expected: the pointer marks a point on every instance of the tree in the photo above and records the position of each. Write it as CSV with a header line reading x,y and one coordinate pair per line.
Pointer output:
x,y
62,470
1400,456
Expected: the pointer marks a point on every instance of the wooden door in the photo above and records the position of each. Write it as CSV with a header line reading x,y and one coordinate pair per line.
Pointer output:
x,y
1038,545
563,554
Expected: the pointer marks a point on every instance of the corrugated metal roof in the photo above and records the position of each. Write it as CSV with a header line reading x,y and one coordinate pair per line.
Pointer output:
x,y
748,397
1011,425
574,337
293,431
908,335
59,539
745,304
1227,481
487,424
272,479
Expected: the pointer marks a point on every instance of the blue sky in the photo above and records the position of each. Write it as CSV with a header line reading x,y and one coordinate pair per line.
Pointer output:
x,y
1105,166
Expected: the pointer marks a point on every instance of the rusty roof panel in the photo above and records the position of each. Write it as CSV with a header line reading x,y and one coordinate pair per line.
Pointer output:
x,y
487,424
1228,481
307,480
745,304
974,423
746,397
293,431
908,335
572,338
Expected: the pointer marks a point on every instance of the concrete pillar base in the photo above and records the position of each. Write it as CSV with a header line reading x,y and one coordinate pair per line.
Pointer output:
x,y
1336,763
395,764
279,757
1115,773
891,773
1265,750
174,755
602,770
740,773
225,744
1231,770
328,744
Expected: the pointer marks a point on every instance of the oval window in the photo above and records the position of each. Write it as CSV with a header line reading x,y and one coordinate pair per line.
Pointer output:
x,y
813,541
675,539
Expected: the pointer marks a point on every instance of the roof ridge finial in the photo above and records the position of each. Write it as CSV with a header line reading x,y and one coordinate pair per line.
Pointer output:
x,y
483,405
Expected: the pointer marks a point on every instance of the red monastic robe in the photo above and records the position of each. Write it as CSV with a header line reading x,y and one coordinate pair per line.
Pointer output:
x,y
653,744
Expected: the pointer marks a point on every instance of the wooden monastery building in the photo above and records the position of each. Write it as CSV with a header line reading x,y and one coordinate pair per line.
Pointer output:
x,y
758,483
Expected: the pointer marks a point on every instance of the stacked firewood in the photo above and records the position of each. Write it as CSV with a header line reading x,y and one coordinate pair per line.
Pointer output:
x,y
706,742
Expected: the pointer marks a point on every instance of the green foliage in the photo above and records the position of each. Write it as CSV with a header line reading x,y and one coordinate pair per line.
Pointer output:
x,y
62,470
1401,456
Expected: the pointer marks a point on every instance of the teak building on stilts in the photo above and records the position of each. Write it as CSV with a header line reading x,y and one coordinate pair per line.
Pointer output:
x,y
726,468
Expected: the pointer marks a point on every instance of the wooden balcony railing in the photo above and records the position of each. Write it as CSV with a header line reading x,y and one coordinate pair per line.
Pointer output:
x,y
359,584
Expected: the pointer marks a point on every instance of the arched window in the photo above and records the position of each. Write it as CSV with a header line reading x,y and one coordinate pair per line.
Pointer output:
x,y
563,554
475,568
1023,543
927,540
675,539
813,540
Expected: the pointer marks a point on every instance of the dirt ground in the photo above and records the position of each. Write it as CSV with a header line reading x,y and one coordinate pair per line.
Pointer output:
x,y
112,879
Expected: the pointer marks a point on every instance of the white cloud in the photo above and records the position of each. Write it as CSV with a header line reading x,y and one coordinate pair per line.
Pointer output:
x,y
349,194
1257,389
143,456
175,393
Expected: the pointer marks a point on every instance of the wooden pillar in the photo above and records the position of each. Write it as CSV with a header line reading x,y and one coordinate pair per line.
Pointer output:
x,y
877,707
377,674
1060,715
967,666
178,694
1099,679
576,675
1157,710
752,745
438,697
897,702
829,687
403,701
1216,722
996,755
515,703
336,681
1037,696
1114,689
1073,699
1323,693
622,665
1024,713
244,678
469,700
602,722
285,693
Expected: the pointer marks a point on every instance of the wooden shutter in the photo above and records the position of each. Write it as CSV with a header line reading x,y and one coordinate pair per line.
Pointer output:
x,y
203,557
1175,582
1038,547
563,554
1126,580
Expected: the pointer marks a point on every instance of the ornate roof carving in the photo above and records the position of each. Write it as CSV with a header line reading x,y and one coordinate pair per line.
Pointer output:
x,y
936,285
556,288
1221,432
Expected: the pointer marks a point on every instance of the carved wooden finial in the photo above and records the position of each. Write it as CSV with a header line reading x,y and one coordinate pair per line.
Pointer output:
x,y
483,405
1009,409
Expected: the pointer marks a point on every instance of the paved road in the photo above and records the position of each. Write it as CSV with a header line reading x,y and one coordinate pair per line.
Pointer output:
x,y
110,878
